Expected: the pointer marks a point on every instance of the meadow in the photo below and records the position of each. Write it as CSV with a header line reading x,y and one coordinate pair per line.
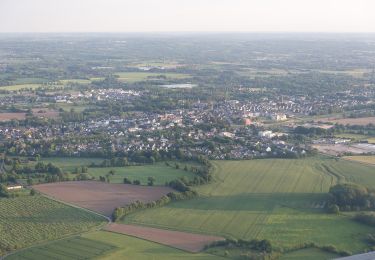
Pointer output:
x,y
106,245
277,199
159,171
27,220
142,76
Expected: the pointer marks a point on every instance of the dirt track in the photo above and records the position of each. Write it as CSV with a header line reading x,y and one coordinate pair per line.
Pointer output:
x,y
100,197
181,240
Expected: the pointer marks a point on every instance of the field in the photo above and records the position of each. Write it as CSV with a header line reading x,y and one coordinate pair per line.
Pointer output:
x,y
71,248
182,240
20,86
106,245
160,172
363,159
281,200
101,197
350,121
309,254
141,76
342,149
357,137
26,220
10,116
69,164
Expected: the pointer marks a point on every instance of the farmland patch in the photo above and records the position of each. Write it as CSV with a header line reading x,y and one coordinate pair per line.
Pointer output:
x,y
101,197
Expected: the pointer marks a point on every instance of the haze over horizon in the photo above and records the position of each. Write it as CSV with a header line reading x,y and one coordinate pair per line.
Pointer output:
x,y
187,16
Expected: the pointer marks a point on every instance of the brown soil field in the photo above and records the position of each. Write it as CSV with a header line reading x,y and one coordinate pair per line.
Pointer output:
x,y
100,197
182,240
349,121
10,116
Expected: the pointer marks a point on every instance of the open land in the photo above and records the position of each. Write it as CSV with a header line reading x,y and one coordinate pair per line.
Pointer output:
x,y
370,159
181,240
339,149
349,121
26,220
101,197
106,245
280,200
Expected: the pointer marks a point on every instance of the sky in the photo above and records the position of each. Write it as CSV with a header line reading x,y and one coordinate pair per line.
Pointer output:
x,y
187,15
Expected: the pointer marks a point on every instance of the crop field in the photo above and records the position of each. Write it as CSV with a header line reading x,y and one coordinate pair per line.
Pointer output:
x,y
141,76
101,197
69,164
357,137
350,121
106,245
70,248
370,159
10,116
26,220
278,199
75,81
182,240
160,172
20,86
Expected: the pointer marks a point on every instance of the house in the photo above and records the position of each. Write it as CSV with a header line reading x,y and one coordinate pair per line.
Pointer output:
x,y
278,117
14,187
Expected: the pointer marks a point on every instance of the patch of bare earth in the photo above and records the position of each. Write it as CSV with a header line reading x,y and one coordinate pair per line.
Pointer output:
x,y
99,196
10,116
182,240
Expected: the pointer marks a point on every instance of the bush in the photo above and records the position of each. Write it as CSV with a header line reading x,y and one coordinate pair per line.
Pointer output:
x,y
127,181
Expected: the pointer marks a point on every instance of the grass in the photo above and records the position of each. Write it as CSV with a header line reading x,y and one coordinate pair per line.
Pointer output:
x,y
159,171
27,220
69,164
370,159
309,254
141,76
21,86
71,248
105,245
75,81
277,199
357,137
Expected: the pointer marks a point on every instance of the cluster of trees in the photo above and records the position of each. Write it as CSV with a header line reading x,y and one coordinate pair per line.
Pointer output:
x,y
255,244
121,212
366,218
349,196
3,191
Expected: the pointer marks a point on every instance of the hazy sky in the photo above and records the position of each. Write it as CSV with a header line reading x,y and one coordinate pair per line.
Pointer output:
x,y
187,15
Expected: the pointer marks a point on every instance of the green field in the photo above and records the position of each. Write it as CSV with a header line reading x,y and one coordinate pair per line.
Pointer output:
x,y
27,220
357,137
278,199
141,76
70,248
69,164
105,245
21,86
75,81
159,171
309,254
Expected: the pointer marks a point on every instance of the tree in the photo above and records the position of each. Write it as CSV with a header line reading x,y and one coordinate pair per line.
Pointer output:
x,y
127,181
151,181
32,192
